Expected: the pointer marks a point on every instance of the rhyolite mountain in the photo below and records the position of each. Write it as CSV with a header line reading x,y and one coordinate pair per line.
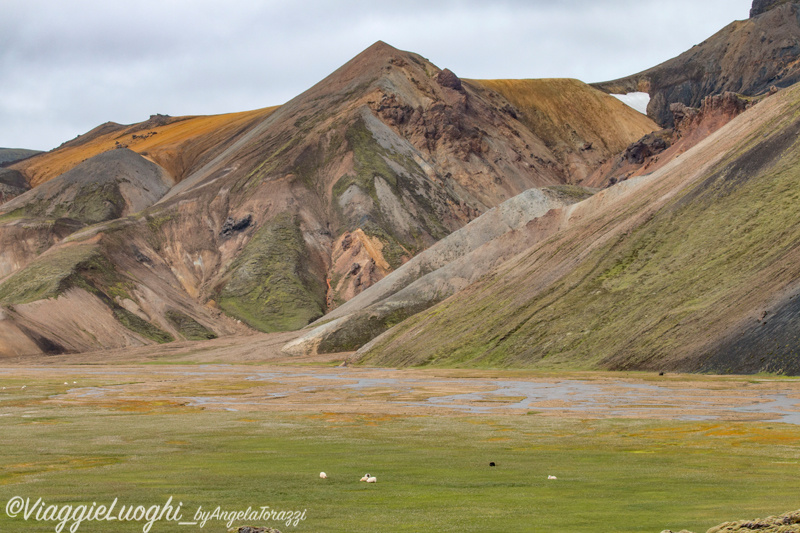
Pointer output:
x,y
11,155
746,57
195,227
422,219
687,262
12,182
693,267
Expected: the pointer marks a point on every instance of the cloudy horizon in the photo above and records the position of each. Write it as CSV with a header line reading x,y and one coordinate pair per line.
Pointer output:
x,y
70,66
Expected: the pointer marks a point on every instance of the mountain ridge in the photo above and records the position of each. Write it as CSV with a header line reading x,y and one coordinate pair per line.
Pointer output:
x,y
594,310
279,215
746,57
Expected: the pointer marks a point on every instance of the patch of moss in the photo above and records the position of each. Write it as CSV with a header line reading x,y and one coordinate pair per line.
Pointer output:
x,y
99,276
141,326
13,215
393,251
572,192
156,221
270,286
364,327
93,203
189,327
307,165
81,266
47,276
96,202
269,163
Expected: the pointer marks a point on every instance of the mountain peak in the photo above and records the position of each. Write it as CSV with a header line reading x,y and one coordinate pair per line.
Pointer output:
x,y
380,46
762,6
378,51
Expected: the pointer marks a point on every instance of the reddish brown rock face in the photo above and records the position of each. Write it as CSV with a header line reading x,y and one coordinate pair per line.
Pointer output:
x,y
746,57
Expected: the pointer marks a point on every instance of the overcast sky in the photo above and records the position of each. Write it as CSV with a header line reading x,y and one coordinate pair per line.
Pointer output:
x,y
68,65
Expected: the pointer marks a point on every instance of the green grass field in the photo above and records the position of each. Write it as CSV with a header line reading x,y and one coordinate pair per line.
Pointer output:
x,y
433,472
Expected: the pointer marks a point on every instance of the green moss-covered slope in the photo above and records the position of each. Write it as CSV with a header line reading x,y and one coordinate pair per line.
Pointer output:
x,y
83,266
190,328
46,277
95,190
270,285
658,296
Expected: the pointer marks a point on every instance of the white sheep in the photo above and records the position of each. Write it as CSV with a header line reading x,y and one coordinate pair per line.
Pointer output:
x,y
372,479
323,475
552,477
365,477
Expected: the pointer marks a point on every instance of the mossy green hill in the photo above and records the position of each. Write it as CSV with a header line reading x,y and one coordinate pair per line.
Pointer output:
x,y
701,252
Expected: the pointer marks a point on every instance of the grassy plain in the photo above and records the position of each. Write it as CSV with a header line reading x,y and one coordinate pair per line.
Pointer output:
x,y
626,475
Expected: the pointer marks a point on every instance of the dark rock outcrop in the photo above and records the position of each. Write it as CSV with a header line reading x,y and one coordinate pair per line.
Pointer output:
x,y
647,146
762,6
12,184
447,78
746,57
719,107
232,225
692,124
13,178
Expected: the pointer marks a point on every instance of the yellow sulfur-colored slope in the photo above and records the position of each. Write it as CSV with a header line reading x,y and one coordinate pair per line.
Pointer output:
x,y
177,144
560,111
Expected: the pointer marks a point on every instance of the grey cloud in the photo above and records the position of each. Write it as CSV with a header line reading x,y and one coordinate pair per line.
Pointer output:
x,y
68,66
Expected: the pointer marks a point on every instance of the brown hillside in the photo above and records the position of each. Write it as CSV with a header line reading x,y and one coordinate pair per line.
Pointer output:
x,y
290,212
581,125
177,144
693,267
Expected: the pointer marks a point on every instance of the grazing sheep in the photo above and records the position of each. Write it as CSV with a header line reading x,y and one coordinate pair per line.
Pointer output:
x,y
323,475
552,477
492,464
372,479
366,477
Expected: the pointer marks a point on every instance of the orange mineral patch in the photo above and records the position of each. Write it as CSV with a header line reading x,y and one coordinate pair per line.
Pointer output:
x,y
176,145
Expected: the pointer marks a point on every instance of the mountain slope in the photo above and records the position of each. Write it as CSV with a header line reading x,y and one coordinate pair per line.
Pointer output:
x,y
746,57
581,125
440,271
178,144
287,213
10,155
106,187
690,126
659,272
12,184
